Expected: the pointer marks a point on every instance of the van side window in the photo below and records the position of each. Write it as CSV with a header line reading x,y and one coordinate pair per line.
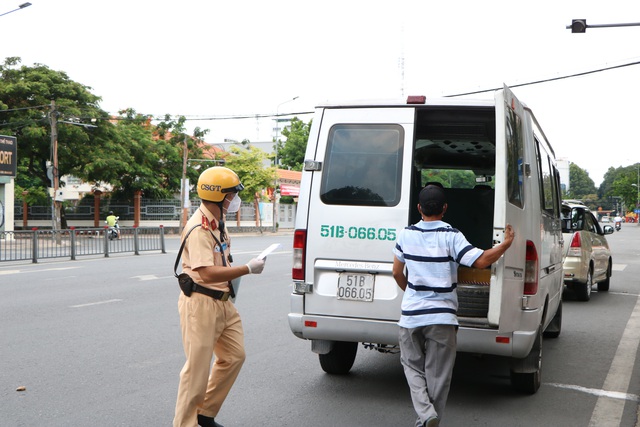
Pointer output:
x,y
514,137
363,165
548,182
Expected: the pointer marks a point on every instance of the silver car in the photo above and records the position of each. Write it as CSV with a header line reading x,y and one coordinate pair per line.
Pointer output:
x,y
587,258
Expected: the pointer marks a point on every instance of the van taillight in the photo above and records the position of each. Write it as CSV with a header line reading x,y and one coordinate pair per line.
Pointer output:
x,y
531,270
299,245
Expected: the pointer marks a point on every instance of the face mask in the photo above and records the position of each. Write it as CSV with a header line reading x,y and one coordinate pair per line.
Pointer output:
x,y
234,205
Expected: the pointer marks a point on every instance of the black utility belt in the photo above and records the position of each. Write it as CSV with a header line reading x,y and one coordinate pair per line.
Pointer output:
x,y
219,295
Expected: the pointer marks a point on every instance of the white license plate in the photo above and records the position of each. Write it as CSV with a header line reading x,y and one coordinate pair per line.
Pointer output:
x,y
356,286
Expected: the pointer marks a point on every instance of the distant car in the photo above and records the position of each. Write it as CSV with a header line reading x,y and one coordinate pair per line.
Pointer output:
x,y
605,219
587,258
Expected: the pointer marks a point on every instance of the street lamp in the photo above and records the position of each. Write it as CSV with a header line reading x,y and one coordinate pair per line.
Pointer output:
x,y
22,6
275,229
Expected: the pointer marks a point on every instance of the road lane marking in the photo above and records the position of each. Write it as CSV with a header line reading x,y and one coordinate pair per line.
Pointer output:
x,y
259,252
626,294
608,411
146,277
109,301
7,272
618,267
598,392
3,272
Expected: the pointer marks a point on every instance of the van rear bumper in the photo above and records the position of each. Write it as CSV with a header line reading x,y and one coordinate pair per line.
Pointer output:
x,y
470,340
343,329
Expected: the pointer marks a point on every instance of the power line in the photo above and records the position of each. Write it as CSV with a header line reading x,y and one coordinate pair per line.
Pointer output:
x,y
35,107
599,70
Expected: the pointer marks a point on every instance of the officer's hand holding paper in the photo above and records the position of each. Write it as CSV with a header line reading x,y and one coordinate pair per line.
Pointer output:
x,y
255,266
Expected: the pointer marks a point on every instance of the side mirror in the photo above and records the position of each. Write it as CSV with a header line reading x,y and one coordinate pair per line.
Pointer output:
x,y
608,229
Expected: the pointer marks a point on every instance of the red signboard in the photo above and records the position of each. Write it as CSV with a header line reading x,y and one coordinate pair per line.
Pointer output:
x,y
289,190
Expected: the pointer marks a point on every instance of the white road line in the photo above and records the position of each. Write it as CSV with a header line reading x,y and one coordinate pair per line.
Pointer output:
x,y
259,252
598,392
3,272
7,272
626,294
618,267
608,411
109,301
145,277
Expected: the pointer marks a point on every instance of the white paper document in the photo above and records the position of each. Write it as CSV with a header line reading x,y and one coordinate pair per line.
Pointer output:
x,y
269,250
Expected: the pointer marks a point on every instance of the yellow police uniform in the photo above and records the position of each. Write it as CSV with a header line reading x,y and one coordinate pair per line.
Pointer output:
x,y
209,327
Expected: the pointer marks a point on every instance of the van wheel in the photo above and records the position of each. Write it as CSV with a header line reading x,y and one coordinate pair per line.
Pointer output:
x,y
526,373
555,326
604,285
583,290
340,359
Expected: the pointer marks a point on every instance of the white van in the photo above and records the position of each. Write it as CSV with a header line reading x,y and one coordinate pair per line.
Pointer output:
x,y
365,165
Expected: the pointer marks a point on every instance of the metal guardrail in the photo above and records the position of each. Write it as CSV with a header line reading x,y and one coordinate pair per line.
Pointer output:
x,y
38,244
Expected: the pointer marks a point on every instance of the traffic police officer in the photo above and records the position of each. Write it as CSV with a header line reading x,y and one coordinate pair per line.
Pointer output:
x,y
209,320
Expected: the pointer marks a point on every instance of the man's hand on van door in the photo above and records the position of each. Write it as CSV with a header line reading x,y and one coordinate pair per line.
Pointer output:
x,y
509,234
256,266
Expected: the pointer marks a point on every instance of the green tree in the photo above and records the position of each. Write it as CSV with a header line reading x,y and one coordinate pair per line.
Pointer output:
x,y
248,163
291,152
26,110
129,155
625,181
581,186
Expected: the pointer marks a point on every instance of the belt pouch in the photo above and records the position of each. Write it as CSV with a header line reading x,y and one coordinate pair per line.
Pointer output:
x,y
186,283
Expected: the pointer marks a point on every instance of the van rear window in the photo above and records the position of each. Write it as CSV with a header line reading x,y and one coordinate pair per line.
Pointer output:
x,y
363,165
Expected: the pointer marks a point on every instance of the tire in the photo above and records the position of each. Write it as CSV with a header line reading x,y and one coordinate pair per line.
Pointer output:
x,y
583,290
526,374
473,300
340,359
555,326
604,285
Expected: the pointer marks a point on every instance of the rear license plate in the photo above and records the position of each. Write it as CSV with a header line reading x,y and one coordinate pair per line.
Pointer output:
x,y
356,286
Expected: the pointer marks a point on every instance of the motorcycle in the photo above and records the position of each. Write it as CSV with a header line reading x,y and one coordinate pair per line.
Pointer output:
x,y
113,232
618,225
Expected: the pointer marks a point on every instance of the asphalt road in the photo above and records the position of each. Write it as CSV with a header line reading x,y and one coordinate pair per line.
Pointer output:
x,y
96,342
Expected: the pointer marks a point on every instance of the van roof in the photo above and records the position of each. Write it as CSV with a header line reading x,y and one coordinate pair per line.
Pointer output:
x,y
398,102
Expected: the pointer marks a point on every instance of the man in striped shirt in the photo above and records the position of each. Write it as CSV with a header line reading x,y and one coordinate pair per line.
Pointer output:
x,y
431,251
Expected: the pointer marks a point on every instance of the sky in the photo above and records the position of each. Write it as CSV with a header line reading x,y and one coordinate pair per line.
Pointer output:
x,y
208,59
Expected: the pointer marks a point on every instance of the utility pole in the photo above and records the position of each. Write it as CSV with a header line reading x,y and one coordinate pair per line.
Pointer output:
x,y
53,117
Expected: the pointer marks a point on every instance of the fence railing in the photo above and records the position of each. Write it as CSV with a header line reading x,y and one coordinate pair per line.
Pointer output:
x,y
154,211
38,244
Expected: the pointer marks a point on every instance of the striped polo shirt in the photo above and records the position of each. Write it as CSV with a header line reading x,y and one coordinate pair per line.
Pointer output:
x,y
431,251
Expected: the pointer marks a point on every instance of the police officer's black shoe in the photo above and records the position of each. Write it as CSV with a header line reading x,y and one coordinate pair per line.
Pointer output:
x,y
207,422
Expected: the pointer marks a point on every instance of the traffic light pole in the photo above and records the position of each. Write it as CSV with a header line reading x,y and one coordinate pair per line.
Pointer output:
x,y
580,25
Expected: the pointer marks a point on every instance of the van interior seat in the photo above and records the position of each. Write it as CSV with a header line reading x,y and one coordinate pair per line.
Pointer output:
x,y
471,212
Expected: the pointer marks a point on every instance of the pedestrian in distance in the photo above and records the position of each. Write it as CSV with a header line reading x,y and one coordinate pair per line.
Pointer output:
x,y
427,255
210,323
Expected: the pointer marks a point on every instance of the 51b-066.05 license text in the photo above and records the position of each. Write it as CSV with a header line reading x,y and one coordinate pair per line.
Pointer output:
x,y
362,233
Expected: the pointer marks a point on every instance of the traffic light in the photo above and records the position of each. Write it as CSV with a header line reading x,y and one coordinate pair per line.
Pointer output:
x,y
578,25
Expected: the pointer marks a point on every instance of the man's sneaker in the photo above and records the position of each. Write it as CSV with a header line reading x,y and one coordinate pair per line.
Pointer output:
x,y
209,422
432,422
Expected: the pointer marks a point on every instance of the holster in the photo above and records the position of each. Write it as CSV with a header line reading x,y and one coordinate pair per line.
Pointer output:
x,y
186,283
